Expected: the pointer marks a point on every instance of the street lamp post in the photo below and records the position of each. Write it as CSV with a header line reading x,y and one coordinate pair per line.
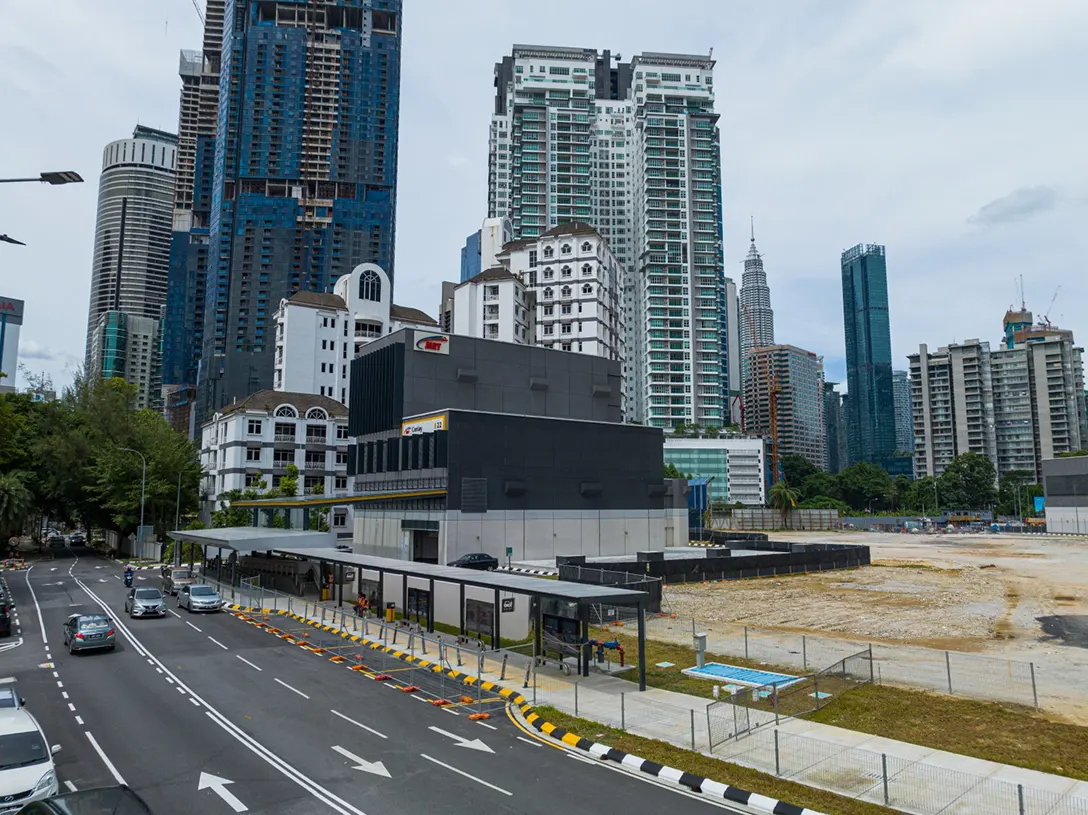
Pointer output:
x,y
143,488
54,178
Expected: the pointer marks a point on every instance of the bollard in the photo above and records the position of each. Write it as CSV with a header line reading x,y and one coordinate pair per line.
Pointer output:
x,y
623,711
479,680
502,673
884,775
395,635
411,641
323,610
777,764
457,648
575,698
693,729
290,609
528,668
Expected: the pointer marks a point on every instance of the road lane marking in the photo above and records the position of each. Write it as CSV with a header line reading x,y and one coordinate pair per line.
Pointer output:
x,y
64,693
159,670
71,787
247,662
79,721
180,690
217,642
194,701
171,681
529,741
296,690
174,613
488,726
463,773
34,597
283,767
71,707
56,675
193,626
358,724
105,759
451,710
219,787
60,684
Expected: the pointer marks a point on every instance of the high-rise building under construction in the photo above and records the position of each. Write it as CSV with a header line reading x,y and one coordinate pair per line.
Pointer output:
x,y
305,168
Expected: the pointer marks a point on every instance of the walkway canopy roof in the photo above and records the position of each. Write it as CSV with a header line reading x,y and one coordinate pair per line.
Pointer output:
x,y
248,539
502,581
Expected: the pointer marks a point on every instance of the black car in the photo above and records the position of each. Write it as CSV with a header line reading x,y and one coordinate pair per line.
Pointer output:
x,y
5,616
77,539
479,561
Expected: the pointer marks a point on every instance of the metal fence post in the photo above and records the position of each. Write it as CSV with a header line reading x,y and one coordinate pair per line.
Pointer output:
x,y
948,667
1034,690
870,663
623,711
423,642
693,728
774,691
884,775
575,698
479,680
804,652
746,642
777,764
1020,798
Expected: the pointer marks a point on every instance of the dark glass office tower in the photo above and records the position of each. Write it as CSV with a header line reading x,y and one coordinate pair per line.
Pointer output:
x,y
870,411
304,186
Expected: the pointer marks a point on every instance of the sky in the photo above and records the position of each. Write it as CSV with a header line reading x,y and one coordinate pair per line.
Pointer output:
x,y
951,131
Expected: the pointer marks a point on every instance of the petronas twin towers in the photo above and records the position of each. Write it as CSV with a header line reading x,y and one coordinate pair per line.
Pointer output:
x,y
756,314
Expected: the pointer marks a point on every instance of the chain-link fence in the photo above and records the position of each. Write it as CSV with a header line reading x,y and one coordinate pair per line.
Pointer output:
x,y
951,672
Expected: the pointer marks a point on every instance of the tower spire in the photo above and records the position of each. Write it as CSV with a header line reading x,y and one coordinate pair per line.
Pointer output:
x,y
752,218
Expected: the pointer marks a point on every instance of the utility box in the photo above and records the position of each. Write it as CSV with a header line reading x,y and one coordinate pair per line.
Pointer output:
x,y
700,650
390,612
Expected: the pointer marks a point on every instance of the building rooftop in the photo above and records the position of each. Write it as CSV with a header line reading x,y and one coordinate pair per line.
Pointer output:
x,y
570,228
494,273
318,299
269,400
411,315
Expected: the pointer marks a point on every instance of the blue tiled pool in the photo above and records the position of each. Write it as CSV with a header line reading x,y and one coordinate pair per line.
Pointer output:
x,y
749,677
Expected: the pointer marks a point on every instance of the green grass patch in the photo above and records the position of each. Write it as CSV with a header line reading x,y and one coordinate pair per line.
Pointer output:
x,y
996,732
712,768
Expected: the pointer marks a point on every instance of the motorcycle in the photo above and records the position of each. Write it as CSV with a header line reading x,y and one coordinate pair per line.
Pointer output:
x,y
128,580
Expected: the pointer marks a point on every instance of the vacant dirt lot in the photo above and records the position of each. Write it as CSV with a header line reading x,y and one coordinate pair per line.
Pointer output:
x,y
1022,597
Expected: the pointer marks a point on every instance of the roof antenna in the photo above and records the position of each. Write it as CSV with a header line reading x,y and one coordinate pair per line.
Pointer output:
x,y
753,220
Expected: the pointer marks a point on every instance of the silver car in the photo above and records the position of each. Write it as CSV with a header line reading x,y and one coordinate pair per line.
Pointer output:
x,y
86,632
145,603
200,597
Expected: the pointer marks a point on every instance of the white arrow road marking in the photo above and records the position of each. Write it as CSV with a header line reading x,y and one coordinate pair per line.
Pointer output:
x,y
463,773
357,724
372,767
472,744
219,787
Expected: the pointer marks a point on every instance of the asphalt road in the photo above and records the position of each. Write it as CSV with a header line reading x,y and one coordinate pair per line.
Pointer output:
x,y
190,699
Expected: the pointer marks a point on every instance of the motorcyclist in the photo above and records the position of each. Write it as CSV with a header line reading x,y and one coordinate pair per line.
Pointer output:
x,y
128,575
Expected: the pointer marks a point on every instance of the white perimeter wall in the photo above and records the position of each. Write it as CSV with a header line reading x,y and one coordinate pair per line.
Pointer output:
x,y
1067,519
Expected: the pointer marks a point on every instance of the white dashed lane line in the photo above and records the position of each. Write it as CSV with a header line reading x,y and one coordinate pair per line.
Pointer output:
x,y
296,690
193,626
217,642
247,662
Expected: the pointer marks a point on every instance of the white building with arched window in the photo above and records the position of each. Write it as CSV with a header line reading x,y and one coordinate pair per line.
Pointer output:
x,y
319,333
253,441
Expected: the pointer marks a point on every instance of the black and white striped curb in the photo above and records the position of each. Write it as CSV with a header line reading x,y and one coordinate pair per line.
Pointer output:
x,y
523,570
696,783
141,568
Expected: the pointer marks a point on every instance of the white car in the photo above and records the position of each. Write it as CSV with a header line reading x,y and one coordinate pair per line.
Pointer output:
x,y
27,772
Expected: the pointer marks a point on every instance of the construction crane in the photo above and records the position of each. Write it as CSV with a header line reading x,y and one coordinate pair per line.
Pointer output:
x,y
199,12
1046,317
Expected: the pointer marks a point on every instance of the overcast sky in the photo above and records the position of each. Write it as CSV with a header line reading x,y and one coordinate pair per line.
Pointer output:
x,y
951,131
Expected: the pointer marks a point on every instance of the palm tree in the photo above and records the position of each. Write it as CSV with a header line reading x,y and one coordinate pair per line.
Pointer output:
x,y
783,498
16,501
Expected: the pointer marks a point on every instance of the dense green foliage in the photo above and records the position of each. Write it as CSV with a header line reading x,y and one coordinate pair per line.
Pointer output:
x,y
63,459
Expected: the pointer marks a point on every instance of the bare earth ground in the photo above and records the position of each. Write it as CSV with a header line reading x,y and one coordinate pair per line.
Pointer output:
x,y
1021,597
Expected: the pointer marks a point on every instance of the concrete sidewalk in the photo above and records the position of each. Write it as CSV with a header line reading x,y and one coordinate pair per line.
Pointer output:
x,y
905,776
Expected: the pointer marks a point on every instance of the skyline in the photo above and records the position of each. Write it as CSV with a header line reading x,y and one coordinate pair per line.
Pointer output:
x,y
994,197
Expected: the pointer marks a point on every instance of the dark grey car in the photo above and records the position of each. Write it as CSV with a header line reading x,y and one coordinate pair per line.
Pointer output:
x,y
86,632
145,603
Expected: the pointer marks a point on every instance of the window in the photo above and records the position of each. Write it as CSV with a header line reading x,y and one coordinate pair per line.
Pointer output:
x,y
370,286
318,413
548,310
341,431
587,269
341,482
549,273
565,329
565,292
253,454
532,258
587,246
549,329
253,479
566,272
547,294
548,252
342,458
565,249
565,308
254,427
286,411
587,289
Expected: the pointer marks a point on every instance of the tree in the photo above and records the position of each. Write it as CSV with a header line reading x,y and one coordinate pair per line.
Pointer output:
x,y
900,494
820,485
713,431
672,472
797,470
16,503
968,482
921,496
1081,452
318,518
1016,492
823,502
863,485
783,498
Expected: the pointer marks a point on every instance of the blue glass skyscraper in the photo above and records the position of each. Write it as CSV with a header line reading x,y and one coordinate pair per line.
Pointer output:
x,y
305,170
870,411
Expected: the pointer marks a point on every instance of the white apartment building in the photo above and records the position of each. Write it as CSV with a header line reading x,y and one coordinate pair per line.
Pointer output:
x,y
494,305
319,333
1017,405
578,283
255,439
737,464
631,149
